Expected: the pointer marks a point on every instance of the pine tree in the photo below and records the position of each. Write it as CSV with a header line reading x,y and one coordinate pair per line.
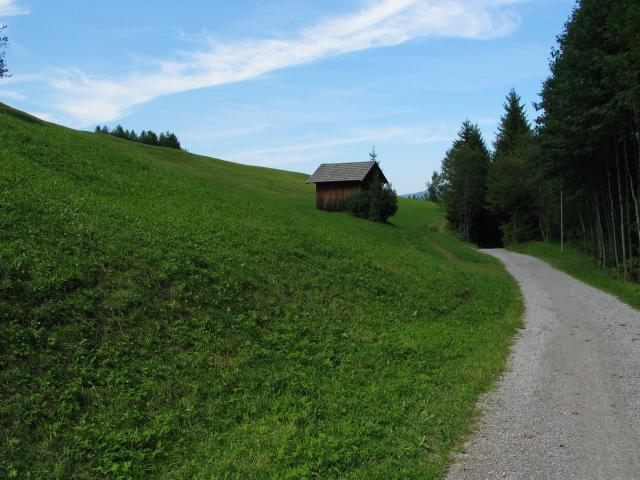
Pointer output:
x,y
149,137
173,142
119,132
434,188
464,172
373,155
590,127
512,185
513,125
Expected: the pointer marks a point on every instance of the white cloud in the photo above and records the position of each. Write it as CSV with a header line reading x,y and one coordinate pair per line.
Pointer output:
x,y
321,149
46,116
11,95
9,8
89,99
224,135
24,78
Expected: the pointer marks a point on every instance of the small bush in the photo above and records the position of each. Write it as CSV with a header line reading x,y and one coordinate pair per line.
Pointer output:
x,y
388,205
359,204
377,204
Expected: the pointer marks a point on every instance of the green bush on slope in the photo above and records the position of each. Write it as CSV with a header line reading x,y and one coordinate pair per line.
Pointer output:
x,y
377,204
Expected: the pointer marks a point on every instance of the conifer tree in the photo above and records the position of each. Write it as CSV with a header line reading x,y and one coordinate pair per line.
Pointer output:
x,y
169,140
434,188
149,137
464,173
586,145
590,128
119,132
373,156
513,125
173,142
513,181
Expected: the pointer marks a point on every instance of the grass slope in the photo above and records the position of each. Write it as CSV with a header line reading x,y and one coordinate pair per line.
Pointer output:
x,y
167,315
584,267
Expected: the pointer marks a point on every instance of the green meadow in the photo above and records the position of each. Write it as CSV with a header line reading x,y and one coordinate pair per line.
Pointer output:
x,y
168,315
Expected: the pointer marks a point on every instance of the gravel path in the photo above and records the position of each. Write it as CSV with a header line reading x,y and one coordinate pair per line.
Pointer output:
x,y
568,406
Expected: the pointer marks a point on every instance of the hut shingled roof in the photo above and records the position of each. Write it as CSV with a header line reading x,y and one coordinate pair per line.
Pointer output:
x,y
342,172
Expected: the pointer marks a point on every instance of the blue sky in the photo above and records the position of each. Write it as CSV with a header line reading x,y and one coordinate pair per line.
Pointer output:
x,y
284,83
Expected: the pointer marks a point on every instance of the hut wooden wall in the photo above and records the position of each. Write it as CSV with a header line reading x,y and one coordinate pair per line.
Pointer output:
x,y
333,196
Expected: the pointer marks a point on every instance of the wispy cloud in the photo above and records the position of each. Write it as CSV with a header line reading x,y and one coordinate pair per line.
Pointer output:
x,y
321,149
11,95
90,99
46,116
228,134
10,8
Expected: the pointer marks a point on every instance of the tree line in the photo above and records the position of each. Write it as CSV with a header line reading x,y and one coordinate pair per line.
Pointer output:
x,y
584,148
166,139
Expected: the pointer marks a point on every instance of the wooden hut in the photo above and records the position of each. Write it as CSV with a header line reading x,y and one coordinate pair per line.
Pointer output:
x,y
335,182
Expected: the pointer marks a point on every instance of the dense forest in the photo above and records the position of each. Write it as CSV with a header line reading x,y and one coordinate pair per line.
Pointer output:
x,y
149,137
584,148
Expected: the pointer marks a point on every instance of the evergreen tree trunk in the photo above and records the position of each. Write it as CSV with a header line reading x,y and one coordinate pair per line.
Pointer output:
x,y
543,233
595,245
593,228
623,239
633,194
627,212
636,135
612,225
592,233
600,233
584,231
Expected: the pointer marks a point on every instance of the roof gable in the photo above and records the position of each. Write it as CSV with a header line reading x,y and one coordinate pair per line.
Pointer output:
x,y
342,172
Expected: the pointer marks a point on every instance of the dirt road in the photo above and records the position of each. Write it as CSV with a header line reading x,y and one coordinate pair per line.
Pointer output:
x,y
569,405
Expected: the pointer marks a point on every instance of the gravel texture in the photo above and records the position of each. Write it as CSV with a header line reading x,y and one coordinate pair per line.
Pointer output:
x,y
568,406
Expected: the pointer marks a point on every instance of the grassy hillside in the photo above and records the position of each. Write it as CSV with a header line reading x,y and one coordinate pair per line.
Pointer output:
x,y
167,315
584,267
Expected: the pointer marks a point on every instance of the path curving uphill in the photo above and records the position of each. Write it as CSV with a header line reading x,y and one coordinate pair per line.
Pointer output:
x,y
569,405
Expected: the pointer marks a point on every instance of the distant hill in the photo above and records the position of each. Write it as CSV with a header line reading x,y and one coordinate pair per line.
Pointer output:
x,y
167,315
420,195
